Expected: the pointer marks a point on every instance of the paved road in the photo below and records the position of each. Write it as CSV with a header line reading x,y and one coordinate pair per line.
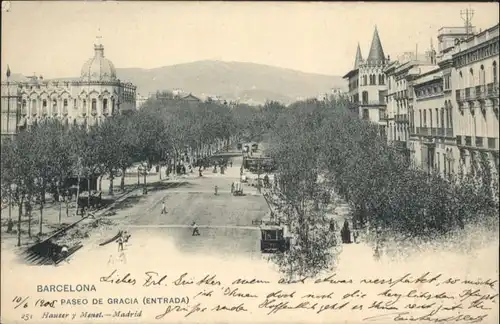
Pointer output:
x,y
225,221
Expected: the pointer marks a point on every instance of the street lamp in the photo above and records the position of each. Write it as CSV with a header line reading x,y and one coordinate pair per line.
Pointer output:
x,y
8,98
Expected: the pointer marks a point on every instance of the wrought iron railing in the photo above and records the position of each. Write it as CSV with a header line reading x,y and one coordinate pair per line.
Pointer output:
x,y
468,141
479,141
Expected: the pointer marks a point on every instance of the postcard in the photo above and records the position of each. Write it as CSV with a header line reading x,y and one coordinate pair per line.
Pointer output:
x,y
249,162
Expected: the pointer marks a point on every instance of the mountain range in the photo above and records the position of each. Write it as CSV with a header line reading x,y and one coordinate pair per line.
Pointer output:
x,y
248,82
232,80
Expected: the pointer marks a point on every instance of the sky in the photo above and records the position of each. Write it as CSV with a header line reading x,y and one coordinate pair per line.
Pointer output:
x,y
55,38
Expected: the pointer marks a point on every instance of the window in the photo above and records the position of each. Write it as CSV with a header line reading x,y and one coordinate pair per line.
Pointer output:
x,y
495,79
44,106
84,105
113,106
366,114
33,106
364,80
425,118
365,97
442,117
482,75
445,163
65,104
471,77
105,106
437,117
381,79
430,118
54,106
94,106
450,115
74,104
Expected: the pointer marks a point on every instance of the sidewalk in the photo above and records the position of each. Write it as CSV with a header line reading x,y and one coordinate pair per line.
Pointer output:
x,y
52,210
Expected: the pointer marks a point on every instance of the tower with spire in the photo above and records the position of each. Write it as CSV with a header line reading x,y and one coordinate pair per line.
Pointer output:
x,y
367,83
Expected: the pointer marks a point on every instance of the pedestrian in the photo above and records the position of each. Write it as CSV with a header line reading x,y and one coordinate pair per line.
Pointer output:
x,y
120,243
126,236
195,229
10,225
64,253
231,163
232,187
216,189
163,208
345,233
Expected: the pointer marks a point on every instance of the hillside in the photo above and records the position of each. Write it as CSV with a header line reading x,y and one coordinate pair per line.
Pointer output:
x,y
249,82
232,80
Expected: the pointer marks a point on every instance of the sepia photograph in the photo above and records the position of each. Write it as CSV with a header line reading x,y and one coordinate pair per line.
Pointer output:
x,y
249,162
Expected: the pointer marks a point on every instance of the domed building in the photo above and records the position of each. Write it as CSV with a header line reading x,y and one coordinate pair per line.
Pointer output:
x,y
96,95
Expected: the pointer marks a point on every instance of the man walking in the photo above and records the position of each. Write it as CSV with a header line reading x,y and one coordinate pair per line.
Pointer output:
x,y
120,243
195,229
163,208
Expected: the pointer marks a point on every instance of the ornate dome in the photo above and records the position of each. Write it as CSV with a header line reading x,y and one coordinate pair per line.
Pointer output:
x,y
98,68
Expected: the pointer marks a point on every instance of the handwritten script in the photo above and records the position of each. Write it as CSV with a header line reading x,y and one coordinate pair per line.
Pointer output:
x,y
424,297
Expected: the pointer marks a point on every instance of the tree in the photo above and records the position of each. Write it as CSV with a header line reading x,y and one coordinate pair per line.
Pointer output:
x,y
17,172
299,198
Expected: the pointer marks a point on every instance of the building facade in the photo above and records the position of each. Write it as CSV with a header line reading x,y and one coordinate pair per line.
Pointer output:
x,y
474,78
454,111
88,100
367,83
432,138
400,75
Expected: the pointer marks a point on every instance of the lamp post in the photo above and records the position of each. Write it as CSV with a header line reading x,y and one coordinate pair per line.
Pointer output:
x,y
8,99
8,131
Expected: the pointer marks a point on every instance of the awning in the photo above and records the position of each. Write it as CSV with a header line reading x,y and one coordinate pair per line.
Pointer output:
x,y
22,122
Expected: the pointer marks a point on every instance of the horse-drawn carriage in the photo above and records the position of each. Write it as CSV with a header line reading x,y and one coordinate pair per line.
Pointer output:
x,y
237,188
90,200
273,239
256,164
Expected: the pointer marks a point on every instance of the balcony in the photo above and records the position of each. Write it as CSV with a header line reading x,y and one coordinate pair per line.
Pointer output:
x,y
468,95
479,141
492,143
373,103
468,141
459,96
491,90
480,92
401,118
